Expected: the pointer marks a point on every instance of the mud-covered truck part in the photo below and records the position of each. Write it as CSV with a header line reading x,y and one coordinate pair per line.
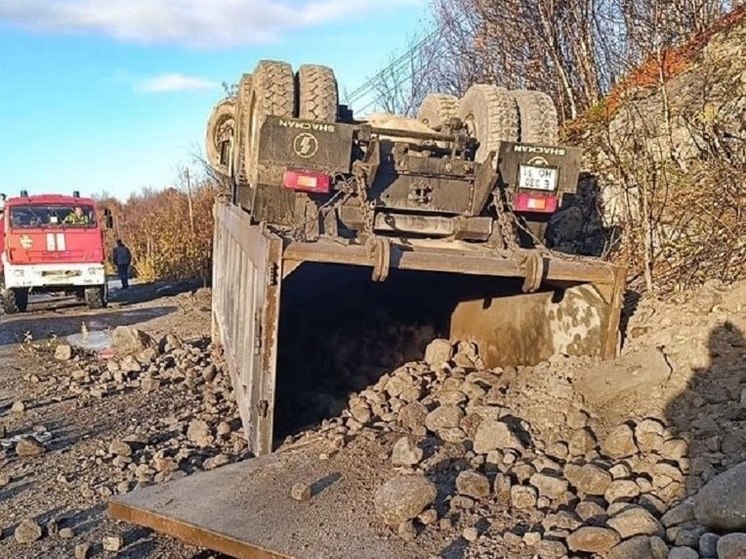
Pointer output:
x,y
461,171
447,207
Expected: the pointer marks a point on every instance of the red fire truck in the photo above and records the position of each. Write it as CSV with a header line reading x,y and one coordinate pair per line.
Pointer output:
x,y
51,243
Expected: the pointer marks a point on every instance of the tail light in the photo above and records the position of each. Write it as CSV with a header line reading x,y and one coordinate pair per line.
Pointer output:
x,y
525,202
306,181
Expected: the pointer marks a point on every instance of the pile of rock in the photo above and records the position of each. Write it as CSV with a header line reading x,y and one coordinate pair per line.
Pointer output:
x,y
470,460
195,423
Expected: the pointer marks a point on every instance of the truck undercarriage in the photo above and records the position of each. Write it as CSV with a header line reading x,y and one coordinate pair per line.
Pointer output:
x,y
333,220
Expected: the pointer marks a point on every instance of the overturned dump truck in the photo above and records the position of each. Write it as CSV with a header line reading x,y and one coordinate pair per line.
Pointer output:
x,y
333,221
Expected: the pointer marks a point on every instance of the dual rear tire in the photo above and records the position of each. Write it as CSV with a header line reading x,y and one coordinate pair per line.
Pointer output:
x,y
311,93
493,114
272,89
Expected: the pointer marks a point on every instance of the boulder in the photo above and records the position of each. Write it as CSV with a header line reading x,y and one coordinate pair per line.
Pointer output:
x,y
635,521
300,491
552,549
523,497
406,452
582,442
403,498
588,479
447,416
473,484
502,487
29,446
683,512
732,546
708,545
621,489
63,352
549,486
619,443
129,340
28,531
438,352
412,416
682,553
590,512
721,503
199,433
634,548
593,539
113,543
649,434
493,435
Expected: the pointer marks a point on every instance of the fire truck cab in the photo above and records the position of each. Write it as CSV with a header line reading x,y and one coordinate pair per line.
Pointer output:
x,y
51,243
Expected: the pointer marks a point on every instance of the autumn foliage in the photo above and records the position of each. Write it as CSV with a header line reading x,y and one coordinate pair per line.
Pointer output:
x,y
169,232
656,69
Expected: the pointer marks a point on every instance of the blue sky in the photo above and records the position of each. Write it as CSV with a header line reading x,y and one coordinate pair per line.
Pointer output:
x,y
113,96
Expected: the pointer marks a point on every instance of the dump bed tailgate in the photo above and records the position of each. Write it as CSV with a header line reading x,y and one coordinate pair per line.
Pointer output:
x,y
245,509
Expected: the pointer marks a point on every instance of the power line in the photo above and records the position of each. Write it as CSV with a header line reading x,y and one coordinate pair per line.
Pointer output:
x,y
399,63
396,68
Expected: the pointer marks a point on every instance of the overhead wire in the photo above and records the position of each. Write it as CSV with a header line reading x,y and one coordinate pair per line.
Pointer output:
x,y
398,63
396,69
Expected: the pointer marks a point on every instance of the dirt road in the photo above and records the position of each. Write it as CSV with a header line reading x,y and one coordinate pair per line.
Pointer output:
x,y
68,484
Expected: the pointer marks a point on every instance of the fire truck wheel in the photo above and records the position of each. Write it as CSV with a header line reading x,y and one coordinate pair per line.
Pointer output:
x,y
14,300
95,297
437,109
241,128
491,116
318,95
222,116
272,94
538,117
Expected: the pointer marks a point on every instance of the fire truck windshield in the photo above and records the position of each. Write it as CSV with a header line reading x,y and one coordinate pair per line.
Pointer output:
x,y
45,216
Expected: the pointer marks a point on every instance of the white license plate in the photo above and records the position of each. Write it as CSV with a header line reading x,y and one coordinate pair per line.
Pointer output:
x,y
537,178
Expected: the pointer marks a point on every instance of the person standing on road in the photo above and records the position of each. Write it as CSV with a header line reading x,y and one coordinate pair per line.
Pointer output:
x,y
122,259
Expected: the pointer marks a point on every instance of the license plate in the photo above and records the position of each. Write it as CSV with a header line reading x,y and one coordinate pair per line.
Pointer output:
x,y
537,178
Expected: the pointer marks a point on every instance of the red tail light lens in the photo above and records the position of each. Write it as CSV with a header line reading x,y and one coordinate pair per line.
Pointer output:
x,y
535,203
306,181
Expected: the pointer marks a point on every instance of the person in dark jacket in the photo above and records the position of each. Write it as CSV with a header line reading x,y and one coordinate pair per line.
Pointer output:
x,y
122,258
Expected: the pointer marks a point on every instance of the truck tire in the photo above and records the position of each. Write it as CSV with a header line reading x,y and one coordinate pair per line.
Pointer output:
x,y
318,93
241,129
491,116
14,300
222,114
539,123
272,94
95,297
437,109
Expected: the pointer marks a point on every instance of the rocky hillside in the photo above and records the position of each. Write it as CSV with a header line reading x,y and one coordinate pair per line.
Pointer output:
x,y
666,154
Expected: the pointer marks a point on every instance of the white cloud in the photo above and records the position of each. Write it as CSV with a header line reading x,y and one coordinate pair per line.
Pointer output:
x,y
202,23
165,83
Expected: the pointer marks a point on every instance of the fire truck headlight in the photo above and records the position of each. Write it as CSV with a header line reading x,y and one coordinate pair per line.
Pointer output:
x,y
18,273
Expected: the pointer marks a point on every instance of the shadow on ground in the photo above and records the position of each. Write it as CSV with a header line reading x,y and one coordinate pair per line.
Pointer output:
x,y
708,413
146,292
